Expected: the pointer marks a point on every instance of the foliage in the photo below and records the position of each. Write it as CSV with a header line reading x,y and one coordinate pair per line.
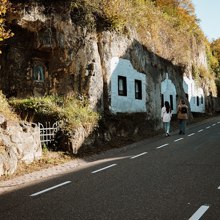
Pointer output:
x,y
195,73
160,24
215,48
215,45
5,108
120,13
217,82
4,34
204,73
71,111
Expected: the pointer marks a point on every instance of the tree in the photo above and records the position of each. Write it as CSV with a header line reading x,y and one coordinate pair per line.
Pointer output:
x,y
4,34
215,47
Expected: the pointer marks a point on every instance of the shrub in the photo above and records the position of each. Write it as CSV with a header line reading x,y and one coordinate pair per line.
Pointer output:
x,y
71,111
5,108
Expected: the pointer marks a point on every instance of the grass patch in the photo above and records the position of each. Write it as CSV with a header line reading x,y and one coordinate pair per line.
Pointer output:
x,y
70,111
5,108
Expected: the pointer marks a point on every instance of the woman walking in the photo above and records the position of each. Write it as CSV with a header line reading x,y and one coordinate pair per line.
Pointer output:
x,y
182,115
166,114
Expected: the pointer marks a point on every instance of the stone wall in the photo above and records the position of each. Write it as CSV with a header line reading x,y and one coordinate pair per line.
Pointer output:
x,y
19,142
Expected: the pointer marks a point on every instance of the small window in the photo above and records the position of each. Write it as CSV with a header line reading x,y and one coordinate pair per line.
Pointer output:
x,y
162,100
171,101
201,99
138,89
122,86
197,100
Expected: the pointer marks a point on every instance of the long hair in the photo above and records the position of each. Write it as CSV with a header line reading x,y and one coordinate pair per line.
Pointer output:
x,y
167,106
183,102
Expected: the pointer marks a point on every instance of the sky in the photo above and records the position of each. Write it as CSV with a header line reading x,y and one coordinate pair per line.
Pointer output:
x,y
208,11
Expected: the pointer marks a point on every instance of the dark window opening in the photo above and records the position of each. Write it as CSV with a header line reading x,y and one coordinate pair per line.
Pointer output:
x,y
171,101
138,89
201,99
197,100
162,100
122,86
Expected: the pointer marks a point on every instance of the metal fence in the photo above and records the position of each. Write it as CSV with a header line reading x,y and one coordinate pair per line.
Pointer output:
x,y
48,131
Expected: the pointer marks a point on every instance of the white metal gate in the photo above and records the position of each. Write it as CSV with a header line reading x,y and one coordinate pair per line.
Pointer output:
x,y
48,131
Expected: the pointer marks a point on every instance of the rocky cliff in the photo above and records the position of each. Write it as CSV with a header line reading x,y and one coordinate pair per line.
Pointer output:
x,y
52,53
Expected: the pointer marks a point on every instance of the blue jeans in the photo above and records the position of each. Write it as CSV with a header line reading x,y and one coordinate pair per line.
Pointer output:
x,y
182,126
167,127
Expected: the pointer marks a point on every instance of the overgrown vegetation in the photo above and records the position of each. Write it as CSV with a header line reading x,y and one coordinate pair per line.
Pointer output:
x,y
5,109
206,76
70,111
215,48
161,24
123,13
169,28
4,33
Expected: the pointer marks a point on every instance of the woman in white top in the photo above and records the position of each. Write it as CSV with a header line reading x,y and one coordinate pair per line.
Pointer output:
x,y
166,114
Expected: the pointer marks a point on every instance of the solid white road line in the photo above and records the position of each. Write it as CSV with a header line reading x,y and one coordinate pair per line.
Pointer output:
x,y
104,168
208,127
162,146
201,130
191,134
199,213
178,139
138,155
51,188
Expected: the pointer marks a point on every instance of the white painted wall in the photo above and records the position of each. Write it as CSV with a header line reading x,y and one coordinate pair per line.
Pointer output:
x,y
193,92
167,89
123,67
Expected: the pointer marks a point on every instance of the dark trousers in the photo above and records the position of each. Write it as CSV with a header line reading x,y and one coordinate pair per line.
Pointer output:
x,y
182,126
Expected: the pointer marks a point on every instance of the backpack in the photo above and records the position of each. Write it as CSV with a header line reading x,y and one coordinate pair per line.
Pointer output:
x,y
183,109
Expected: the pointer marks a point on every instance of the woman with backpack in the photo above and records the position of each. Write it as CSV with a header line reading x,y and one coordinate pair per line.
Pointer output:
x,y
182,115
166,114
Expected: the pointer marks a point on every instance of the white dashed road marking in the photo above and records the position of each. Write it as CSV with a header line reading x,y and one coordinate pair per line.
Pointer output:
x,y
162,146
208,127
199,213
104,168
178,139
200,130
51,188
138,155
191,134
214,125
219,187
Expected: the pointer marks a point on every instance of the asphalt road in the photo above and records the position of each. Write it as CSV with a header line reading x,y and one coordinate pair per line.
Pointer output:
x,y
162,178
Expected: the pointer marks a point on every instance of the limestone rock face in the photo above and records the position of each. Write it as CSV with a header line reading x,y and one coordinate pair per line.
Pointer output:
x,y
19,142
52,54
